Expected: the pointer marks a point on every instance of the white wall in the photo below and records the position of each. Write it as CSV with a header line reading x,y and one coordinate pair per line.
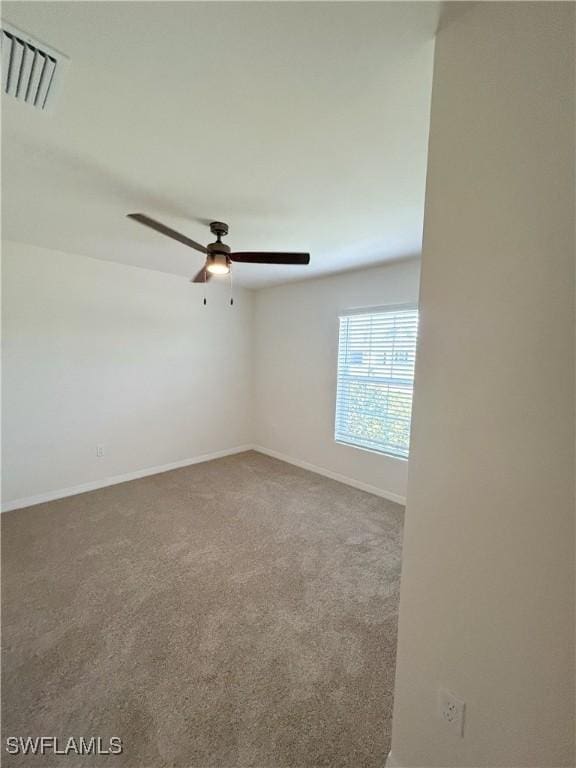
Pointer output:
x,y
296,352
98,353
101,353
487,599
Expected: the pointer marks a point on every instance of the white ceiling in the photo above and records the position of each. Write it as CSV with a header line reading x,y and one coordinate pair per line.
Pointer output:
x,y
304,126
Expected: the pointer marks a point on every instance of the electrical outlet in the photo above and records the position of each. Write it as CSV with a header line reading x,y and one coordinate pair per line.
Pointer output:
x,y
451,710
99,451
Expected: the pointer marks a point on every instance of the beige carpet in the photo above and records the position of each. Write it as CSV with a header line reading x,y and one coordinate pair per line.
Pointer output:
x,y
236,613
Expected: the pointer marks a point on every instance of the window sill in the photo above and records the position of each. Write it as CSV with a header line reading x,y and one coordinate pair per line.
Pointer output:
x,y
372,450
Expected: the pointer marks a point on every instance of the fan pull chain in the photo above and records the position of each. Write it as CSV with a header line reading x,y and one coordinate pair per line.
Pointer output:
x,y
204,299
231,290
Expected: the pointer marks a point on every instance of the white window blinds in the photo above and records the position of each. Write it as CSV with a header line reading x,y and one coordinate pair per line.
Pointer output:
x,y
376,354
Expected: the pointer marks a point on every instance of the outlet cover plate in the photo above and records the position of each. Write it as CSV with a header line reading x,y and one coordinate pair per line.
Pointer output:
x,y
451,709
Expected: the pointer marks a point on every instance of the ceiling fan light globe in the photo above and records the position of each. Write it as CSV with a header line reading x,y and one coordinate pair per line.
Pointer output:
x,y
218,269
217,264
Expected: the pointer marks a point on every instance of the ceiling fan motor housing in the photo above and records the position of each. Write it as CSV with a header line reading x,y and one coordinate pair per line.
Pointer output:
x,y
218,260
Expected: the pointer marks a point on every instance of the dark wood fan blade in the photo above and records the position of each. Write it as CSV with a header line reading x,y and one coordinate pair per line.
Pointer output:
x,y
265,257
202,277
141,218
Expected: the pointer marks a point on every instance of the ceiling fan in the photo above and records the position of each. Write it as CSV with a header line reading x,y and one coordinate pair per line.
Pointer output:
x,y
218,255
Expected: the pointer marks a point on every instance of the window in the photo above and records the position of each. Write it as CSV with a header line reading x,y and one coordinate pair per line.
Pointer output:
x,y
376,354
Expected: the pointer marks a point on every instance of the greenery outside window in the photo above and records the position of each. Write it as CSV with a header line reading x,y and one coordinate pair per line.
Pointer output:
x,y
376,356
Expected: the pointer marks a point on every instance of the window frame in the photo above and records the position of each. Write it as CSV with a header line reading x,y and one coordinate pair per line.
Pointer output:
x,y
373,310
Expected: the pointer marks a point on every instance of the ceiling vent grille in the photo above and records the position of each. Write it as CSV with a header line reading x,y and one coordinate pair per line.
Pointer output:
x,y
31,71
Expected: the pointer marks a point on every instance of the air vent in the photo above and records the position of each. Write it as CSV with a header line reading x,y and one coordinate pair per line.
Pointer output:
x,y
31,71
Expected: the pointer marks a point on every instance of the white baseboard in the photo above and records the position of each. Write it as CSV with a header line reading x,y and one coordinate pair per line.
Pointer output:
x,y
94,485
332,475
115,480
